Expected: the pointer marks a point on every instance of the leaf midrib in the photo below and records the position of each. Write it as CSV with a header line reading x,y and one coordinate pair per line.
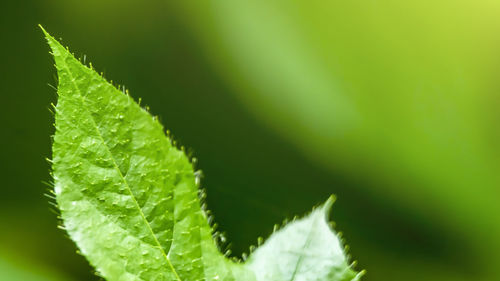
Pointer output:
x,y
120,173
306,244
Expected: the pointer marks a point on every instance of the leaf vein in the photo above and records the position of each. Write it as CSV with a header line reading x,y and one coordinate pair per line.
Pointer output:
x,y
121,175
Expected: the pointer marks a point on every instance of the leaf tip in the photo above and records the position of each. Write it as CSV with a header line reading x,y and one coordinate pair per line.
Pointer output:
x,y
43,29
327,206
53,43
46,34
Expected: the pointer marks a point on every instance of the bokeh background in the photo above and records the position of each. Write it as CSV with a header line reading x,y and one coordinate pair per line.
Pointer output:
x,y
391,105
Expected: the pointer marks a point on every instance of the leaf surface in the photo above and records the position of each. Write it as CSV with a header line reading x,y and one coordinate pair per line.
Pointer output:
x,y
304,250
129,198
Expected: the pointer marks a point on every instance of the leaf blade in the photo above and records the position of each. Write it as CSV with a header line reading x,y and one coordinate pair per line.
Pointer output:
x,y
127,196
304,250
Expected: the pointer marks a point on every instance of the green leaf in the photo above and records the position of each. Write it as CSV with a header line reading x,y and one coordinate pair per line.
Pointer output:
x,y
305,249
129,198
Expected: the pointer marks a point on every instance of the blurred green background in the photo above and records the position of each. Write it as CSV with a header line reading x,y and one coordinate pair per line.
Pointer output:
x,y
391,105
